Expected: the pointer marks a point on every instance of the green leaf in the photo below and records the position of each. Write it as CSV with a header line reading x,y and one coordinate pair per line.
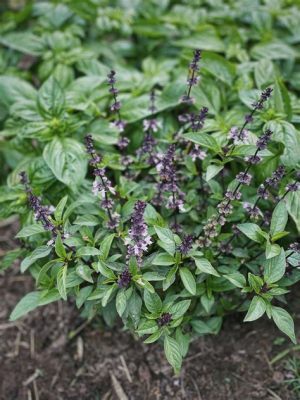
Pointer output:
x,y
211,326
51,98
39,252
154,337
105,246
207,302
108,294
284,322
30,230
274,268
167,241
272,250
83,295
152,302
66,159
293,207
172,352
264,72
87,220
88,251
85,272
179,309
206,38
25,305
237,279
121,302
61,280
170,278
188,280
60,208
212,171
204,140
273,50
252,231
218,67
163,259
279,218
147,327
255,282
25,42
59,247
183,341
256,309
203,265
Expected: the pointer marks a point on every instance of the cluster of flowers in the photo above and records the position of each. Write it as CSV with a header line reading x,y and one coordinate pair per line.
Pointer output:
x,y
41,213
151,125
225,207
166,169
192,79
263,193
116,107
139,238
102,185
241,135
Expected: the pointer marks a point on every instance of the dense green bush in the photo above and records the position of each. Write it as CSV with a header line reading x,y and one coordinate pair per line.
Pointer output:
x,y
197,207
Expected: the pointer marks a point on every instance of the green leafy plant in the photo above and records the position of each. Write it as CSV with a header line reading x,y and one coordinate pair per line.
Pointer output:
x,y
144,196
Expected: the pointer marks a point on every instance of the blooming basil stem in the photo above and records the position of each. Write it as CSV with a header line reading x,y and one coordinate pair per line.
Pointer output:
x,y
115,107
168,183
150,126
139,239
102,185
192,79
225,207
239,135
42,213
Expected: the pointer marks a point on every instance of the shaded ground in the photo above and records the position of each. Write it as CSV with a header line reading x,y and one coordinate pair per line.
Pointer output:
x,y
39,361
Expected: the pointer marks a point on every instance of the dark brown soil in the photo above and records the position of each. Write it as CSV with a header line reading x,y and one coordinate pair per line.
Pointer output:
x,y
40,362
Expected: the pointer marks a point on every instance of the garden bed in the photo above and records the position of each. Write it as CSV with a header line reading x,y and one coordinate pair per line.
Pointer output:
x,y
39,360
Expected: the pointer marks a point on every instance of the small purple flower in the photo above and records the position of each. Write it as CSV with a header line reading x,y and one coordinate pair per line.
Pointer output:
x,y
124,279
203,241
119,124
262,192
186,244
236,195
293,187
263,141
164,319
225,248
114,220
123,142
197,120
276,177
139,239
253,211
211,228
244,178
197,153
265,95
253,160
237,136
151,125
225,208
248,118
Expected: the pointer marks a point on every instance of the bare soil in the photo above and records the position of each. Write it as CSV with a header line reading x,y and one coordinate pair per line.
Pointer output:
x,y
39,360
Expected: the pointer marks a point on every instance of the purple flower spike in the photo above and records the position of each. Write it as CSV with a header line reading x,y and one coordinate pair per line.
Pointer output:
x,y
244,178
192,79
164,319
186,244
139,239
41,213
124,279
